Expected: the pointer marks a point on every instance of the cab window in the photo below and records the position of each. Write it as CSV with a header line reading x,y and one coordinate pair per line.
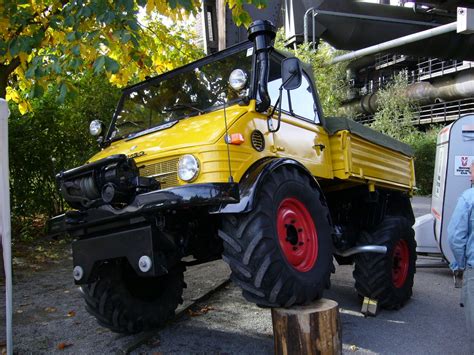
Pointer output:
x,y
298,102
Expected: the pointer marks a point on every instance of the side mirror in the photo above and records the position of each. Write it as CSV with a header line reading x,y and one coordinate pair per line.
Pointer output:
x,y
291,74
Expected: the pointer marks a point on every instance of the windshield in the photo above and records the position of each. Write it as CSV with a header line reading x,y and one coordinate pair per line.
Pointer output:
x,y
180,95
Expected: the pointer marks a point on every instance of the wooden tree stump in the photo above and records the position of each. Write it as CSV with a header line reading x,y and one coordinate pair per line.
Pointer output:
x,y
311,329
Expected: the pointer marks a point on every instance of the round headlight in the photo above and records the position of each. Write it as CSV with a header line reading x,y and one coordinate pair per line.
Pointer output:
x,y
95,128
238,79
188,167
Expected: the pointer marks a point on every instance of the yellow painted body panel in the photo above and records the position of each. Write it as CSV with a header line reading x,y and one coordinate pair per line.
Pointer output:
x,y
344,156
297,139
357,160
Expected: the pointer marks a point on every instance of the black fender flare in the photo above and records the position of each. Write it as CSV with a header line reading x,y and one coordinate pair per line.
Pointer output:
x,y
255,176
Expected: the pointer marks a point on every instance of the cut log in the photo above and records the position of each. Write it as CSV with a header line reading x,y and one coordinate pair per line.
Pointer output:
x,y
311,329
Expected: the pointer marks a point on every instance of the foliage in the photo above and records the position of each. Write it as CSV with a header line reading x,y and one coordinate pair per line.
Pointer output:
x,y
51,138
394,117
395,110
47,41
330,79
424,145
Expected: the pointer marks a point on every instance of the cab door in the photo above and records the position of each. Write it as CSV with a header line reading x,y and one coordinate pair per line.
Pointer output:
x,y
301,135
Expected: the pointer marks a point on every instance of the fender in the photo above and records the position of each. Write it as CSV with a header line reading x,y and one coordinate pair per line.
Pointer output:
x,y
253,179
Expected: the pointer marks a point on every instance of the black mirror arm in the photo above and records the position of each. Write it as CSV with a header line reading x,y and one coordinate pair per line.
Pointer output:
x,y
270,117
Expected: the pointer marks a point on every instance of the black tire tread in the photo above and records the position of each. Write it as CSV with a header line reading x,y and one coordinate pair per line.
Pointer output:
x,y
372,272
109,302
258,267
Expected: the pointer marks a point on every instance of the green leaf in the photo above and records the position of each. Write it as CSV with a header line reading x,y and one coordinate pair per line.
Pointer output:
x,y
125,37
108,17
128,4
85,11
3,47
69,21
133,25
173,3
111,65
14,47
54,23
76,50
135,41
62,92
71,36
75,63
30,72
99,64
56,67
187,4
36,91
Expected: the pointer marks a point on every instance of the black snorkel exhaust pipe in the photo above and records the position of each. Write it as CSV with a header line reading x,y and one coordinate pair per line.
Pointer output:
x,y
262,33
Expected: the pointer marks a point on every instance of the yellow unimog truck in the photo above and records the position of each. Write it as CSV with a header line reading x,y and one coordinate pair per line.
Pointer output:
x,y
231,156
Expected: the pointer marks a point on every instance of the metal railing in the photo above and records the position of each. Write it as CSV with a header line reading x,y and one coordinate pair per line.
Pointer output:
x,y
433,67
441,112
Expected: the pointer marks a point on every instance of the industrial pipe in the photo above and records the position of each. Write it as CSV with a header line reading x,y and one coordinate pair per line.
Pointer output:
x,y
398,42
423,92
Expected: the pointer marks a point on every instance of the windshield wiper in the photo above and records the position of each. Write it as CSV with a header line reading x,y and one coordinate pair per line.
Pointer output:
x,y
123,123
179,107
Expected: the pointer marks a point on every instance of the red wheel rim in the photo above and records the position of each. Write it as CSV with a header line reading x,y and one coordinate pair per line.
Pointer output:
x,y
297,234
400,263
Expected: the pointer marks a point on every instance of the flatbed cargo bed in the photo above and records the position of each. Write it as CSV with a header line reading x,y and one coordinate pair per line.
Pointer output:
x,y
359,153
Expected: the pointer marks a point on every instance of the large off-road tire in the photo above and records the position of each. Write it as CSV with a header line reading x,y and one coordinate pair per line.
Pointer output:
x,y
280,253
387,278
126,303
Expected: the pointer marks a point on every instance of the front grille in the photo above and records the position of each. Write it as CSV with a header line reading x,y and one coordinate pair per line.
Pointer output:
x,y
166,172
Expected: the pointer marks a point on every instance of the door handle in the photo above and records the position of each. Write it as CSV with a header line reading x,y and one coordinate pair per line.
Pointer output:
x,y
320,146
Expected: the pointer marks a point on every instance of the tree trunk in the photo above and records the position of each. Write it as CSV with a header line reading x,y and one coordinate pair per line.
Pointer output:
x,y
5,71
311,329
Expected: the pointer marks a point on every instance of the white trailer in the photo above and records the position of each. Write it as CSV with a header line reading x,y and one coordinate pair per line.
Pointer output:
x,y
454,155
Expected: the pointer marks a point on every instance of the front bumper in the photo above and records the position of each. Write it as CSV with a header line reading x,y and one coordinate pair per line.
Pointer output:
x,y
175,198
105,233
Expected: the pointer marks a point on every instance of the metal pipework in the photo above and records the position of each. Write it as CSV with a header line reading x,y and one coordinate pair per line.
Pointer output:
x,y
378,249
445,89
415,37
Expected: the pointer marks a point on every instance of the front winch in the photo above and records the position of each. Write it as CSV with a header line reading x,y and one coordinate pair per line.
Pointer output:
x,y
113,180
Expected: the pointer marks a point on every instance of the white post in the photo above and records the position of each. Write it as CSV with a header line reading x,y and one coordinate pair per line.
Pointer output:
x,y
5,223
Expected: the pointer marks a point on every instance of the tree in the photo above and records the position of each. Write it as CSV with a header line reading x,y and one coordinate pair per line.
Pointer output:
x,y
330,79
395,110
45,41
57,133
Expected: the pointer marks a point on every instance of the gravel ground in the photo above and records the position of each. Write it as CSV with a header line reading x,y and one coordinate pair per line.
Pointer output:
x,y
49,317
